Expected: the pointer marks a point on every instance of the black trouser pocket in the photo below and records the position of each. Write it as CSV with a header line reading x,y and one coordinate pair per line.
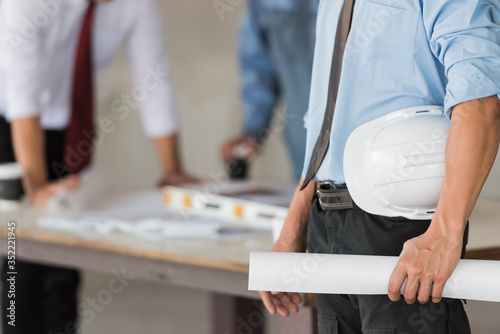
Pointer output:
x,y
327,324
458,323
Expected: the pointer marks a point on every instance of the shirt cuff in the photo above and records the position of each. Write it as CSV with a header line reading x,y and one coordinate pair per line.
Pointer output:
x,y
466,83
258,133
17,112
162,125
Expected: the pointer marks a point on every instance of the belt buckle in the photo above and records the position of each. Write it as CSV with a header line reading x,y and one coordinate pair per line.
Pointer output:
x,y
332,198
325,187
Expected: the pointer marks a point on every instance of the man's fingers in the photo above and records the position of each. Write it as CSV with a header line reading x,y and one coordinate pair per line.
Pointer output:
x,y
281,302
284,297
437,291
268,301
240,148
287,301
71,181
424,291
41,196
411,289
66,183
60,187
278,302
296,297
395,283
227,151
283,311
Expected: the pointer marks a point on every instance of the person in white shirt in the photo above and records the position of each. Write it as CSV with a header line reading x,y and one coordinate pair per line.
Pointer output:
x,y
39,51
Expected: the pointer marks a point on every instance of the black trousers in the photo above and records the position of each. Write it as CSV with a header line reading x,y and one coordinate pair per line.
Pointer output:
x,y
46,296
357,232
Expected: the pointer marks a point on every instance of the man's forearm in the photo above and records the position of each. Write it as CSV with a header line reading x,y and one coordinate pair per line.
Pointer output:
x,y
29,147
427,261
470,153
168,153
293,238
295,227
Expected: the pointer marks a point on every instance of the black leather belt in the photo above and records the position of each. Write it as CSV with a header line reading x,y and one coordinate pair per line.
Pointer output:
x,y
333,197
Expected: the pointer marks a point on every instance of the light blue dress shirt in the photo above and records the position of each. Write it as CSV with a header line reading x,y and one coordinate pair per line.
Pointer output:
x,y
400,54
276,55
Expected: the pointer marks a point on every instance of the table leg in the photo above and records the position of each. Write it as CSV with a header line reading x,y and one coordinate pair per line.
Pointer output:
x,y
236,315
303,322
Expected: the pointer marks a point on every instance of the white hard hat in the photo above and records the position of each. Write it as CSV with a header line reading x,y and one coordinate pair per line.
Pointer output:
x,y
395,165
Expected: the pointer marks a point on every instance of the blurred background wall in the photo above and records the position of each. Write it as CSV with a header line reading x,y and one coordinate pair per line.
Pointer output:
x,y
202,47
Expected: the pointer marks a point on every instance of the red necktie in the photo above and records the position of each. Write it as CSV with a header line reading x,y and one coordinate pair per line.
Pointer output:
x,y
79,134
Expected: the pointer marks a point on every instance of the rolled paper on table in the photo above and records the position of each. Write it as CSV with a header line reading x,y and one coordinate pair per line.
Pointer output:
x,y
361,275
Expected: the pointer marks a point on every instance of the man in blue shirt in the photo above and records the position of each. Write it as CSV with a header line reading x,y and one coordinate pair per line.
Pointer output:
x,y
276,55
400,54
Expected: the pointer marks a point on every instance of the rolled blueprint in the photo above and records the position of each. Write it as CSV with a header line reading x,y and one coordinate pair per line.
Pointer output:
x,y
361,275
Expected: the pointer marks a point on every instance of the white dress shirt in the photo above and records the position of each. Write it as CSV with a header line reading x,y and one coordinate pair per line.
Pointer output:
x,y
38,50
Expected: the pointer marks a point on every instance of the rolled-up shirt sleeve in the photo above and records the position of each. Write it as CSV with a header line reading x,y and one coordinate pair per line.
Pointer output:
x,y
148,58
23,52
465,36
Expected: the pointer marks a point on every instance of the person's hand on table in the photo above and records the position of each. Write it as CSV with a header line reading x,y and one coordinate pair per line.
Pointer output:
x,y
245,148
426,263
177,179
41,196
283,302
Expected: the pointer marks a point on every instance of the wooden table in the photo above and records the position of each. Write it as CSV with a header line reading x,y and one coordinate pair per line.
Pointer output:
x,y
217,266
